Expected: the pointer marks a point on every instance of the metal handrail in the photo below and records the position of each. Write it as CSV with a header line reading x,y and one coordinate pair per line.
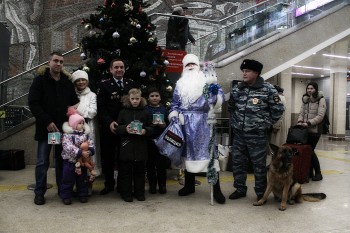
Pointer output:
x,y
35,67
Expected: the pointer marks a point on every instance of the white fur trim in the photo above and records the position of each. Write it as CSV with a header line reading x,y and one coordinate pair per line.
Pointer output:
x,y
67,129
173,114
181,119
190,58
200,166
219,102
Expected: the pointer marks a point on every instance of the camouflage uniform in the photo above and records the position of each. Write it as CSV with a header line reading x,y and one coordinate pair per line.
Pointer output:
x,y
253,109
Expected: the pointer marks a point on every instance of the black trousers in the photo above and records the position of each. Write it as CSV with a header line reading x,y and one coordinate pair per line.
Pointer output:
x,y
131,173
156,166
315,163
109,155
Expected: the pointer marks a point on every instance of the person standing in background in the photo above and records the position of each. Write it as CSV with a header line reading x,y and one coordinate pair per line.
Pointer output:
x,y
49,97
178,33
311,116
279,130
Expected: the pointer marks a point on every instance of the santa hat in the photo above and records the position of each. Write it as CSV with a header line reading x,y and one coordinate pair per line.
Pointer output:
x,y
79,74
190,58
74,117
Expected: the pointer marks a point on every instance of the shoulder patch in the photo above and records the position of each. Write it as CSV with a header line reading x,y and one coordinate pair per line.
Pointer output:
x,y
276,98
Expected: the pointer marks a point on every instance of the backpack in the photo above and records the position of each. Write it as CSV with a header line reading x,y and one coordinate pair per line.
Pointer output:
x,y
325,124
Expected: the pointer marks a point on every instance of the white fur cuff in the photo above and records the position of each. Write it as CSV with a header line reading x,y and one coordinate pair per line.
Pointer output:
x,y
173,114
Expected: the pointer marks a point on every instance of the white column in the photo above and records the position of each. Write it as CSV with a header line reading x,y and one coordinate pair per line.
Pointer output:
x,y
338,90
286,84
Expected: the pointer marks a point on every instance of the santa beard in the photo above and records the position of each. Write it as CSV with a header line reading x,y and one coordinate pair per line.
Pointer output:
x,y
190,86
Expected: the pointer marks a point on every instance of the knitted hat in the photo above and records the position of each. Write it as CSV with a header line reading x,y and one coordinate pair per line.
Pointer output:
x,y
252,65
74,117
190,58
79,74
178,9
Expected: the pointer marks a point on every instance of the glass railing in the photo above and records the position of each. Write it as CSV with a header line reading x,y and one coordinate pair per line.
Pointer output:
x,y
235,33
214,38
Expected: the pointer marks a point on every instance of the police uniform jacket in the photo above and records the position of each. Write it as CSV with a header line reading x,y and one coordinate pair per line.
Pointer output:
x,y
254,108
49,99
109,95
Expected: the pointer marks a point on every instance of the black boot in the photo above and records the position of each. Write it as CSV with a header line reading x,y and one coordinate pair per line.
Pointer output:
x,y
189,186
218,196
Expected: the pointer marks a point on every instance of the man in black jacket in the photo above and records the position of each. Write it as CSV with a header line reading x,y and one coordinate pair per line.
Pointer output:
x,y
50,94
109,94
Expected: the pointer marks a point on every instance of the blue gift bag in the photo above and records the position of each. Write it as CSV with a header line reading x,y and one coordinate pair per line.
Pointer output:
x,y
171,142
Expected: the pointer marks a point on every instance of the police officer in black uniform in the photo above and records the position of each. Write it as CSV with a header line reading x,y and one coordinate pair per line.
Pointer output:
x,y
109,94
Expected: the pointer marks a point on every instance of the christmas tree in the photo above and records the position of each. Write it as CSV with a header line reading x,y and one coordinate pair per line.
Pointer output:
x,y
121,29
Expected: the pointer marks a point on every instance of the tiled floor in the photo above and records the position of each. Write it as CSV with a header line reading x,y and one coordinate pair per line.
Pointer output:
x,y
171,213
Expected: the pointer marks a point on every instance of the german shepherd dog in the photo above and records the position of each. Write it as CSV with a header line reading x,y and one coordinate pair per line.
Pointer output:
x,y
280,180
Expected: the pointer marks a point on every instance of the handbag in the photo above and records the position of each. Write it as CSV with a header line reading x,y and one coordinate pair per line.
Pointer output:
x,y
297,134
171,142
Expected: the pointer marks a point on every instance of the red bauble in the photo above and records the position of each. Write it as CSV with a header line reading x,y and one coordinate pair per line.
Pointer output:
x,y
101,61
113,5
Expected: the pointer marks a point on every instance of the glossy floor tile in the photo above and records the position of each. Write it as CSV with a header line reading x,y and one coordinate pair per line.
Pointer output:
x,y
193,213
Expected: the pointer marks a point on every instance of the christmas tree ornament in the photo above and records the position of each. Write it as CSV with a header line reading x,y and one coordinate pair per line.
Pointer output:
x,y
92,33
88,26
83,56
166,62
113,5
138,26
133,40
169,88
151,39
115,35
167,104
86,68
82,21
102,20
143,74
155,64
101,61
151,77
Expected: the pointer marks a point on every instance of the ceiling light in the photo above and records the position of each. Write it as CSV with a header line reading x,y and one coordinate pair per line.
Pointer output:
x,y
304,74
336,56
311,67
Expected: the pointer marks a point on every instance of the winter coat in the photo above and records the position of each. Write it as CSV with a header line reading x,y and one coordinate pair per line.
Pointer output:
x,y
49,99
71,141
280,129
312,112
133,147
254,108
178,32
88,109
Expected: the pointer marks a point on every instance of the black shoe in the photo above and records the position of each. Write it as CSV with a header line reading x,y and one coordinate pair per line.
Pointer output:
x,y
106,190
162,189
185,191
39,200
152,189
83,199
236,195
141,198
317,177
67,201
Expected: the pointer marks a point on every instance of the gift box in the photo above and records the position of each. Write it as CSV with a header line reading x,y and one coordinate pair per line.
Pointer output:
x,y
136,127
158,118
54,138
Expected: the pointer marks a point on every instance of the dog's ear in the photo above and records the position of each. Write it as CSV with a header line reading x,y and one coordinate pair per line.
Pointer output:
x,y
274,149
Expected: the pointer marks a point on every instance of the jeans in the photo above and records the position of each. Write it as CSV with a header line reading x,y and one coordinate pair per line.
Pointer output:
x,y
42,165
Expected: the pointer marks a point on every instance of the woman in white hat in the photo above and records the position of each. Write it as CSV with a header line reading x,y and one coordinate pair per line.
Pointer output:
x,y
88,109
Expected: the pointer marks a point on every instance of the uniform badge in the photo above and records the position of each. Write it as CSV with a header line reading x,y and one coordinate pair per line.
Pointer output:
x,y
276,98
114,95
255,101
